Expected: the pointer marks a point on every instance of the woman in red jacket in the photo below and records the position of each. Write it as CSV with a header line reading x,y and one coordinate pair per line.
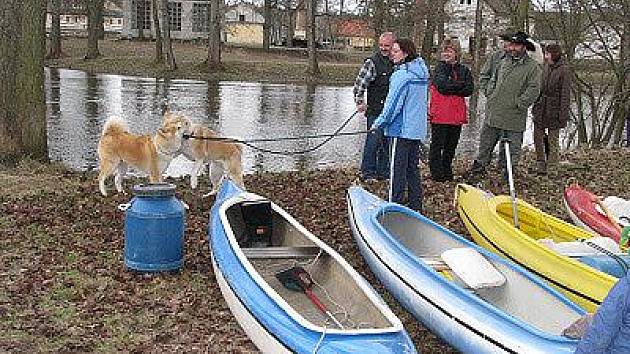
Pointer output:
x,y
451,83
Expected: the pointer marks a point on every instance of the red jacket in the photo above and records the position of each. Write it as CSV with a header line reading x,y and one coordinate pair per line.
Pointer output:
x,y
451,84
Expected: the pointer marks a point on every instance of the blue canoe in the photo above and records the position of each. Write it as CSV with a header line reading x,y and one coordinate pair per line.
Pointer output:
x,y
471,298
252,240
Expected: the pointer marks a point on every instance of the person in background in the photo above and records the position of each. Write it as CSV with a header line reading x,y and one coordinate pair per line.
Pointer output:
x,y
404,119
374,78
551,110
609,331
450,83
510,88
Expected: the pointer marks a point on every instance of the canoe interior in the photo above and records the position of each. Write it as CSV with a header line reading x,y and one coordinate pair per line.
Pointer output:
x,y
334,286
537,224
518,296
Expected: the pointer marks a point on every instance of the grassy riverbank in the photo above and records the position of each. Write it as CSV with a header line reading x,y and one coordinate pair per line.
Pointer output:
x,y
279,65
61,260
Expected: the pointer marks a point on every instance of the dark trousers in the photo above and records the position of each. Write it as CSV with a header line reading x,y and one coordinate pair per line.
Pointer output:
x,y
375,162
444,140
405,175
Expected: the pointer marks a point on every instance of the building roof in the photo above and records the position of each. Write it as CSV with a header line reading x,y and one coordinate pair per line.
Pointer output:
x,y
353,28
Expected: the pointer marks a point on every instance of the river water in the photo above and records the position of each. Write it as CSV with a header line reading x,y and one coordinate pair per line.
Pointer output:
x,y
78,104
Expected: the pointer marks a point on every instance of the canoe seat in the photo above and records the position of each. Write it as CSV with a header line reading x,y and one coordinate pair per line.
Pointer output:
x,y
281,252
472,268
579,249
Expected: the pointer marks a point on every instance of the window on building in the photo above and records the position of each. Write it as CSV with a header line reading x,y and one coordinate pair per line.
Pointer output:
x,y
200,18
465,2
175,16
241,18
141,14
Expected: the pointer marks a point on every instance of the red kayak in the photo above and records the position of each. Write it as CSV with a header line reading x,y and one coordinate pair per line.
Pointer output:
x,y
587,212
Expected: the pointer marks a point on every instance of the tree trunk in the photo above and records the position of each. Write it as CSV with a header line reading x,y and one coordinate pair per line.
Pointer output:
x,y
54,51
140,16
313,67
159,54
267,24
166,34
378,20
22,102
476,64
519,16
622,105
100,21
214,37
94,8
291,27
10,136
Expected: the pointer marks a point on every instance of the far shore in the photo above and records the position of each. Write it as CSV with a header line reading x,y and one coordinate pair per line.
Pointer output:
x,y
278,65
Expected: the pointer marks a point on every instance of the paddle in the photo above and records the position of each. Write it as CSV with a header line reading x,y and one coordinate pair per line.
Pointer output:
x,y
508,162
296,279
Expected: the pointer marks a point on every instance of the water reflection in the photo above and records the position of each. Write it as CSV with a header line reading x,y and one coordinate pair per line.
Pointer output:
x,y
78,105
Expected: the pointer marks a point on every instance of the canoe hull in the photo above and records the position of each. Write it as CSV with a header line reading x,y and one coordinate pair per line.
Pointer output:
x,y
584,285
263,339
446,311
270,322
585,214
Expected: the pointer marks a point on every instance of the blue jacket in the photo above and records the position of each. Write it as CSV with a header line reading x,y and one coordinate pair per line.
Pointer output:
x,y
610,330
405,112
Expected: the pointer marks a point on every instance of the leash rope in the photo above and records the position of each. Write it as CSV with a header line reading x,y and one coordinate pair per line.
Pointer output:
x,y
250,142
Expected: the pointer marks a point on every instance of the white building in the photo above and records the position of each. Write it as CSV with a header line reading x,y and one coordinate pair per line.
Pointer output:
x,y
188,19
460,22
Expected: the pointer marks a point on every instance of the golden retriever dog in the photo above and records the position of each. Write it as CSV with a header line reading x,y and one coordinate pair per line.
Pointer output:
x,y
118,148
224,157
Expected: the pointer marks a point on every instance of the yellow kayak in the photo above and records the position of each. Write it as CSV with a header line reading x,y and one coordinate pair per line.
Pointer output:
x,y
489,220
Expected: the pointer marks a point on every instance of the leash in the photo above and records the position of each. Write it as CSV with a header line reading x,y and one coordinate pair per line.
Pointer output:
x,y
250,142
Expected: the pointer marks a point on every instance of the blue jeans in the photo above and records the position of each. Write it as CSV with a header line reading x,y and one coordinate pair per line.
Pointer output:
x,y
406,173
375,162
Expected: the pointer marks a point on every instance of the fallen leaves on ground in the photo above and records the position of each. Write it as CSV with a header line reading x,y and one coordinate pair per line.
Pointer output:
x,y
61,261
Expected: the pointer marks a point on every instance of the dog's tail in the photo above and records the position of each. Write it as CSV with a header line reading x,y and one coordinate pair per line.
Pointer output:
x,y
115,125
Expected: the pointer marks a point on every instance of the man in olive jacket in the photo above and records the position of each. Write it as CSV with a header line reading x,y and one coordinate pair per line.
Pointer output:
x,y
511,83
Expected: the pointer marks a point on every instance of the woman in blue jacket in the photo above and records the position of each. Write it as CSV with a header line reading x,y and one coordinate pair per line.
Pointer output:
x,y
404,120
609,333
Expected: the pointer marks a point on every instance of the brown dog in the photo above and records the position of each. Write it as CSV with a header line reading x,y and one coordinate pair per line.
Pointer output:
x,y
224,157
118,148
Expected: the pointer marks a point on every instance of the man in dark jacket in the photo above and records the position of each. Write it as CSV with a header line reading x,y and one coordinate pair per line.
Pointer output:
x,y
374,78
510,89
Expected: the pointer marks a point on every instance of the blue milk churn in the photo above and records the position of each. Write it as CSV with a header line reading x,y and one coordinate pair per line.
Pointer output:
x,y
154,229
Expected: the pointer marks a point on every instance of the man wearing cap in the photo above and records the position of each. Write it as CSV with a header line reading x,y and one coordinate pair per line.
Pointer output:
x,y
510,85
374,78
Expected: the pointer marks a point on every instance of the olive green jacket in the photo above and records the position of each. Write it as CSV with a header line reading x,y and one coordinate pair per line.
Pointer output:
x,y
510,87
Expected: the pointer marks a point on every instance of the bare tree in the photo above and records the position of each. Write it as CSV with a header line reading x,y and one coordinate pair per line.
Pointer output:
x,y
267,24
313,67
166,34
54,49
22,104
141,8
214,37
94,9
159,53
476,64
